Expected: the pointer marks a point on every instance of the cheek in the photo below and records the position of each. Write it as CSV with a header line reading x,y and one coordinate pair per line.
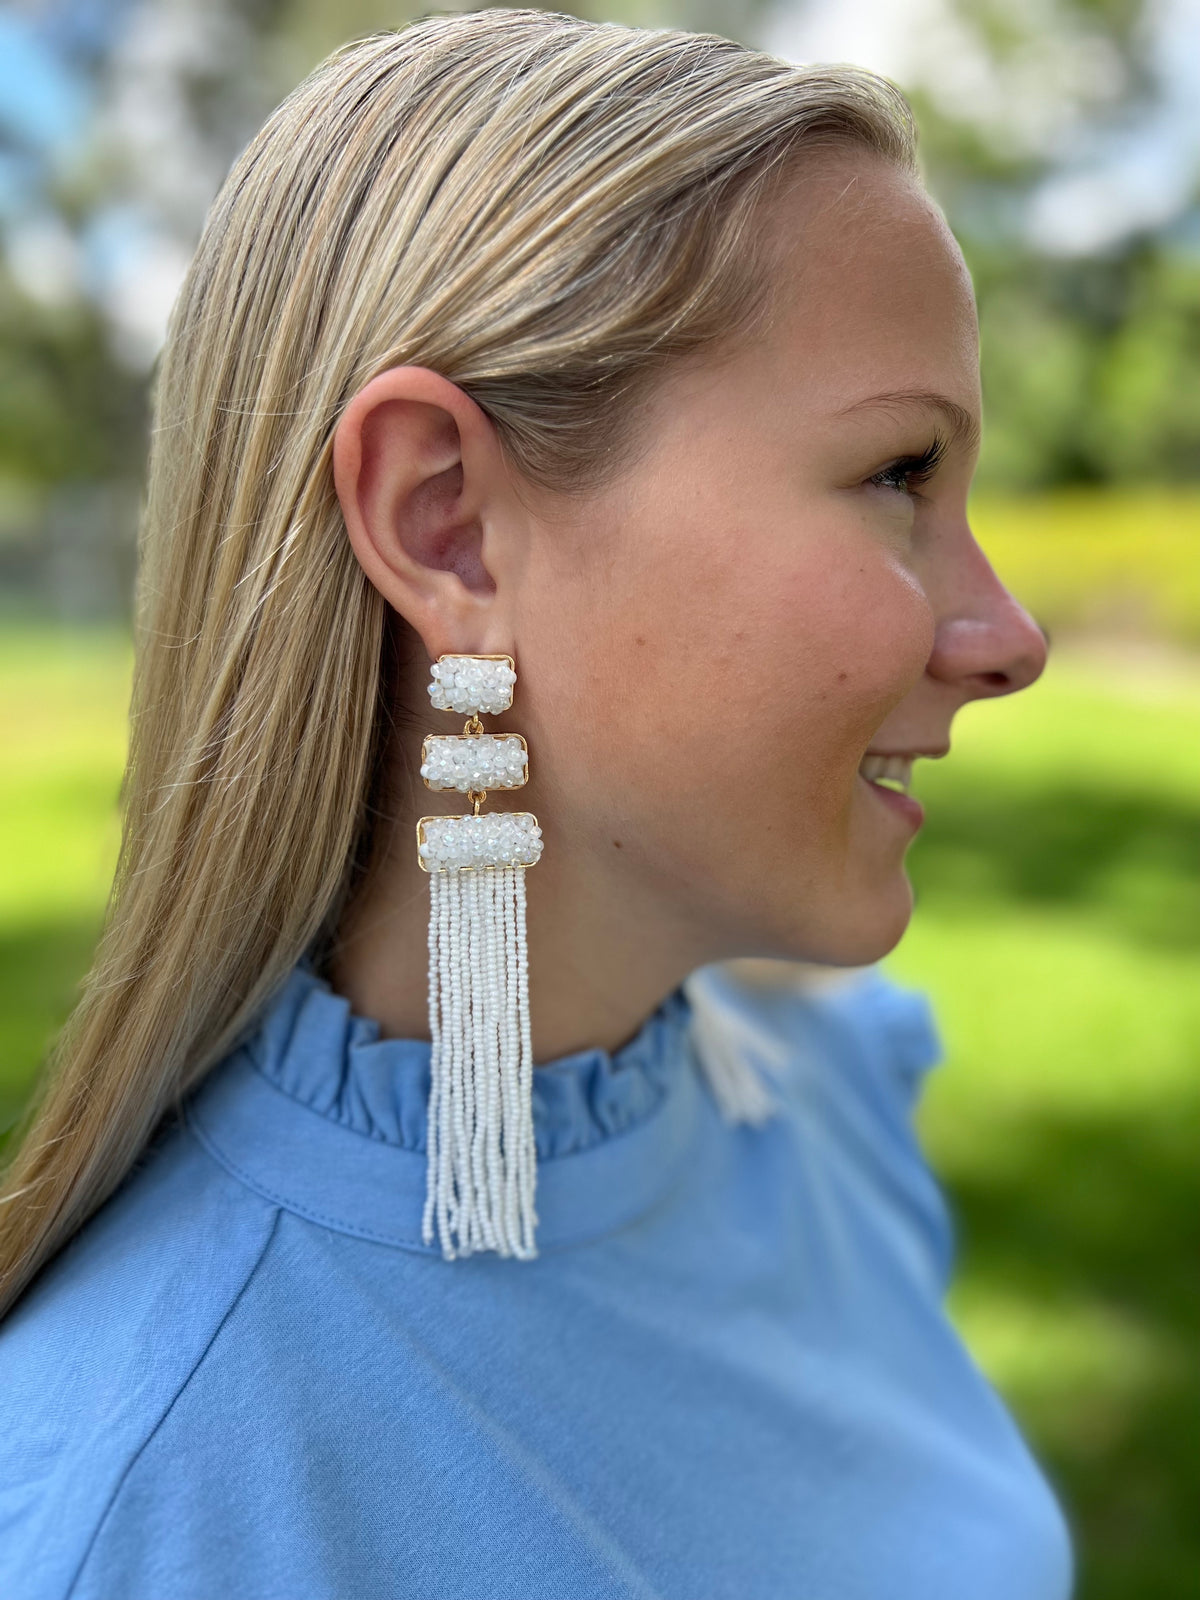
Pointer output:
x,y
849,637
830,653
728,676
646,670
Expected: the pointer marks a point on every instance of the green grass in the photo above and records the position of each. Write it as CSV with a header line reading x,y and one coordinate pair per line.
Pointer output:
x,y
1056,927
63,706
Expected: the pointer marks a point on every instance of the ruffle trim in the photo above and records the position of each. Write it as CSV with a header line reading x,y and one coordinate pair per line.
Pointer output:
x,y
314,1048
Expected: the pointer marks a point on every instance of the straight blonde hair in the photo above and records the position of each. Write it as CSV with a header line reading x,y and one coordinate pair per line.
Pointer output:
x,y
547,211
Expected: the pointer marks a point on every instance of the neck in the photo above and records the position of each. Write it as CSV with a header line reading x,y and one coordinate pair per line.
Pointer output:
x,y
601,956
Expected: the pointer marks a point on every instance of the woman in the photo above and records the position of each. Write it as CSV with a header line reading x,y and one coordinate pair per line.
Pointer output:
x,y
643,361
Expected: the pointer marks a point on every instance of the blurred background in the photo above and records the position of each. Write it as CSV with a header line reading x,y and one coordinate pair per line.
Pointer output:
x,y
1058,919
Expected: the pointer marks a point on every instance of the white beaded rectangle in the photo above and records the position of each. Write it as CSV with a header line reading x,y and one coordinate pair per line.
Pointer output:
x,y
493,839
472,684
466,761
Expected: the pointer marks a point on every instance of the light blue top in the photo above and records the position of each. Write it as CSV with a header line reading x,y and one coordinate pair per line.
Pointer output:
x,y
727,1376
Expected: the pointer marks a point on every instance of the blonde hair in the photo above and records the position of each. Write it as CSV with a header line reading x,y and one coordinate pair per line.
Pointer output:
x,y
544,210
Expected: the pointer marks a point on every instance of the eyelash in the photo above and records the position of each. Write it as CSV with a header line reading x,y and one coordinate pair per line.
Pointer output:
x,y
912,469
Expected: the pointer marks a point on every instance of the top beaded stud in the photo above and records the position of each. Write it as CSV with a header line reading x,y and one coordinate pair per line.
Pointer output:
x,y
472,684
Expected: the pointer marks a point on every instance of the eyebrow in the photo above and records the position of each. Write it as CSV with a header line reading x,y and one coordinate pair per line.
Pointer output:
x,y
963,424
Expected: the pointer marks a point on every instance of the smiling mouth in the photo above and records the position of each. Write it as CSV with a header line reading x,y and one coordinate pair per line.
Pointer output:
x,y
889,777
888,772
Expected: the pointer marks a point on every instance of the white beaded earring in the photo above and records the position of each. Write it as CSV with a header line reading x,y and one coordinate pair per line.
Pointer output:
x,y
481,1171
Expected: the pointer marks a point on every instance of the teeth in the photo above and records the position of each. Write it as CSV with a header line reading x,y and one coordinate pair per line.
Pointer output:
x,y
892,770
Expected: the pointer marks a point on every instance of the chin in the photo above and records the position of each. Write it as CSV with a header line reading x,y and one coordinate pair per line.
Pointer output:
x,y
864,934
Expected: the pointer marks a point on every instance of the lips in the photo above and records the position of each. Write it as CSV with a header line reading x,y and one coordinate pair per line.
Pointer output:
x,y
888,775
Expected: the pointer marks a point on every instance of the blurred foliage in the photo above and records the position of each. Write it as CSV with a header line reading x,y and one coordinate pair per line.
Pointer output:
x,y
1103,561
1091,362
68,410
1091,368
1056,882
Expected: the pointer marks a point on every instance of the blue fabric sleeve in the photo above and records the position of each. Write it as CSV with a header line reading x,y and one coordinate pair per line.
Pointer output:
x,y
889,1043
98,1349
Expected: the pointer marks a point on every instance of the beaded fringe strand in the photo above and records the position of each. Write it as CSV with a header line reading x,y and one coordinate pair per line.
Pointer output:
x,y
481,1168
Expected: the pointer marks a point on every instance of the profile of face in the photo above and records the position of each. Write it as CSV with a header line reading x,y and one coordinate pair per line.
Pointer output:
x,y
782,580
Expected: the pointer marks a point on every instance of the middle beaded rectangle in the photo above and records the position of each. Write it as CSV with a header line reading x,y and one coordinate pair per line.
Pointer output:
x,y
466,761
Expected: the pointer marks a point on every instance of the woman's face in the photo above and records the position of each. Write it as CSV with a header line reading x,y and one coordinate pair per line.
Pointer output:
x,y
708,649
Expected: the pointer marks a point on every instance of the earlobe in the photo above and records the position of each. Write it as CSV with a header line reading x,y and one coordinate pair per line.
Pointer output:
x,y
415,468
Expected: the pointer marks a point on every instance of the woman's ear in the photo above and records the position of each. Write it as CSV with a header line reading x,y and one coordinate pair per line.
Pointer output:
x,y
421,479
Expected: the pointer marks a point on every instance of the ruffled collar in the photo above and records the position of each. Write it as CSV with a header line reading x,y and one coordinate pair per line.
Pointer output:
x,y
313,1047
319,1113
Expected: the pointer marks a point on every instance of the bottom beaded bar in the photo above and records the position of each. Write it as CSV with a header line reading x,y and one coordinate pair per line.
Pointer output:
x,y
494,839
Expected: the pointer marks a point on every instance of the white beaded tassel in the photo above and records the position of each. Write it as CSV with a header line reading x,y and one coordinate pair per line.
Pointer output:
x,y
739,1092
481,1169
481,1156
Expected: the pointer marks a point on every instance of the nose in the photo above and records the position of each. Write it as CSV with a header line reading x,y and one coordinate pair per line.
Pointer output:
x,y
985,642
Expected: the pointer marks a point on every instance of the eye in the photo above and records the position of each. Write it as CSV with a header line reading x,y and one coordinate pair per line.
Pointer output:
x,y
909,471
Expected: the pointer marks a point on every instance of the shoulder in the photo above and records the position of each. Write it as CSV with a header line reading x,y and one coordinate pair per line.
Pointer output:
x,y
845,1054
858,1021
885,1028
96,1352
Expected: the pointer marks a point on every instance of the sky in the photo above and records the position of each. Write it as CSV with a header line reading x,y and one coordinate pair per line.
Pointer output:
x,y
1106,182
42,103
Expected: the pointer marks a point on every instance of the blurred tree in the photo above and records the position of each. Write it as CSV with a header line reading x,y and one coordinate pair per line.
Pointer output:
x,y
1090,323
